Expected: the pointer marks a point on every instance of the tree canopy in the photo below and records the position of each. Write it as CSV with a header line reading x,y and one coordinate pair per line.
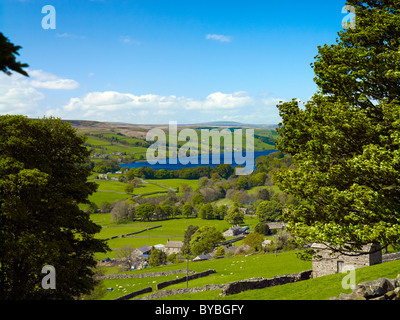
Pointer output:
x,y
345,140
43,179
204,240
8,51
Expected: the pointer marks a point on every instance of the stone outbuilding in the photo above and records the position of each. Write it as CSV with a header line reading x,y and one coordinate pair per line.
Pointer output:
x,y
173,247
232,232
328,263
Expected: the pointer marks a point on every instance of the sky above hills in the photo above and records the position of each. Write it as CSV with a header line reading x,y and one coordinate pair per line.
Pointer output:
x,y
155,61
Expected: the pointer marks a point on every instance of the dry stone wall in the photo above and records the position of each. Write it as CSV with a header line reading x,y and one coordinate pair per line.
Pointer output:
x,y
164,284
135,293
173,292
381,289
260,283
140,275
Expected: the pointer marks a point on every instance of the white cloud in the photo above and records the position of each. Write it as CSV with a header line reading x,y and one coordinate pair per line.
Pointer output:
x,y
151,108
21,95
16,95
219,37
44,80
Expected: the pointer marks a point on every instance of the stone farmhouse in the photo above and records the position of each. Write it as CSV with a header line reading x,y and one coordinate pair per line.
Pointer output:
x,y
234,231
172,247
329,263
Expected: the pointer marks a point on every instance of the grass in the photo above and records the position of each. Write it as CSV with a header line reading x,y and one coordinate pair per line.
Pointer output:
x,y
175,183
314,289
228,270
110,191
172,229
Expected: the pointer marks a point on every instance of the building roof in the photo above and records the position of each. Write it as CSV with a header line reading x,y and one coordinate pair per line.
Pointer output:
x,y
203,257
174,244
144,248
276,225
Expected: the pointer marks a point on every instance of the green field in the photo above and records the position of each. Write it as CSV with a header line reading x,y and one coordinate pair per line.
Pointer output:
x,y
172,229
111,191
228,270
263,265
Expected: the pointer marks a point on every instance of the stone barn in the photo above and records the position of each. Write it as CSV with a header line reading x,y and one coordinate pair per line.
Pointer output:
x,y
329,263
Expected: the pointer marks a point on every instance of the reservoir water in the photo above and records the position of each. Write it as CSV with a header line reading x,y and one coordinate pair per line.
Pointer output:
x,y
212,162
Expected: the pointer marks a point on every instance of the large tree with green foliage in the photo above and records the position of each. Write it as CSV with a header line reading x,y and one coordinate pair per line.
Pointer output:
x,y
345,141
234,215
8,53
43,179
204,240
269,211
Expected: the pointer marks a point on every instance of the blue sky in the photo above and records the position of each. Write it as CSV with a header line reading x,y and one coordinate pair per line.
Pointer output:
x,y
152,61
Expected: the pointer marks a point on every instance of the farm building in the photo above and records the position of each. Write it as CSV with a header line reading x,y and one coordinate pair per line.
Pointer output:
x,y
329,263
143,250
276,225
234,231
203,257
173,247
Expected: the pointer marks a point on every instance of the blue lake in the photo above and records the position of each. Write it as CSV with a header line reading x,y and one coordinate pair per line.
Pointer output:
x,y
212,161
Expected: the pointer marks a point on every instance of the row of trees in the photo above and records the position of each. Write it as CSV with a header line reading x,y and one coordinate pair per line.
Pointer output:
x,y
221,171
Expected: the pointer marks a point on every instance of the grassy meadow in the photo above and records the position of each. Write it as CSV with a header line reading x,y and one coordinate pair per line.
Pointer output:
x,y
228,270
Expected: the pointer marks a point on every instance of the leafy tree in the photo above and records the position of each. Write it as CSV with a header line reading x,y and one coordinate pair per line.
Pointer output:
x,y
129,188
43,179
197,200
258,178
254,241
207,211
234,215
8,51
167,209
93,208
187,237
145,211
224,170
121,212
187,209
176,211
241,183
269,211
220,252
222,211
204,240
105,207
106,166
261,228
157,258
263,194
345,140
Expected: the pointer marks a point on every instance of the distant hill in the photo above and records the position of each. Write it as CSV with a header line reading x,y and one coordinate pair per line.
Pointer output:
x,y
235,124
127,142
